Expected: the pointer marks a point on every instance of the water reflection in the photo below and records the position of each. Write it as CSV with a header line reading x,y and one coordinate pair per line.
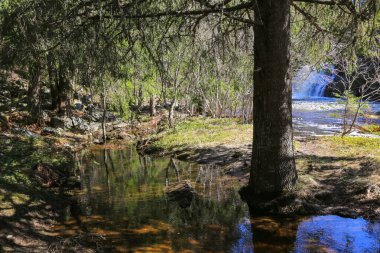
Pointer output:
x,y
337,234
123,199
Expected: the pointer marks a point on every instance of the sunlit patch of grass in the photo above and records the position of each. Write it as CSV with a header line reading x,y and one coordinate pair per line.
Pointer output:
x,y
17,177
325,163
354,145
203,132
297,145
19,198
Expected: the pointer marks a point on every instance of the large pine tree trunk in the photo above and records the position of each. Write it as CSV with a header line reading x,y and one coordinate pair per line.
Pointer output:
x,y
273,166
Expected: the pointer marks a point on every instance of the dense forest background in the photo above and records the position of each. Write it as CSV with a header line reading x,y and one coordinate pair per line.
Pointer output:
x,y
196,56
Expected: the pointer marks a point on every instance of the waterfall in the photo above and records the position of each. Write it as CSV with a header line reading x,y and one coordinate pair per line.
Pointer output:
x,y
310,83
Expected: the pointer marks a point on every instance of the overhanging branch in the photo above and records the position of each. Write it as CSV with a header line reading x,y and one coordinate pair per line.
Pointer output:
x,y
179,13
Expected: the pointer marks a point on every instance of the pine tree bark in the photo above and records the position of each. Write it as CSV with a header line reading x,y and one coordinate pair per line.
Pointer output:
x,y
63,90
273,165
34,92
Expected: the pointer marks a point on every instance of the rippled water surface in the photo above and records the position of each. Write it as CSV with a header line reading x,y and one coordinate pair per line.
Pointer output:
x,y
315,116
123,198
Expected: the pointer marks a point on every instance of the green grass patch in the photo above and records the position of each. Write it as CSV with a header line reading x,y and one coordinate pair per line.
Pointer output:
x,y
203,132
354,146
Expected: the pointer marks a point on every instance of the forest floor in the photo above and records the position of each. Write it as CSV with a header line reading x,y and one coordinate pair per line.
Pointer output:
x,y
28,209
336,175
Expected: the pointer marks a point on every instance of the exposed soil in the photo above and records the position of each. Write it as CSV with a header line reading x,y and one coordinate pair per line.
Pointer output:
x,y
336,183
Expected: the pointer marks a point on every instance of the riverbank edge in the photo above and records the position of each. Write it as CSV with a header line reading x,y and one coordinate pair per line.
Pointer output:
x,y
235,161
28,209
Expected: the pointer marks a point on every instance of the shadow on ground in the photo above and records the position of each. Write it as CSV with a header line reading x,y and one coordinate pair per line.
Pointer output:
x,y
27,210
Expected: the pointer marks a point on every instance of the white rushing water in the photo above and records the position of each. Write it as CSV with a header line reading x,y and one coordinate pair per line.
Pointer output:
x,y
310,83
314,114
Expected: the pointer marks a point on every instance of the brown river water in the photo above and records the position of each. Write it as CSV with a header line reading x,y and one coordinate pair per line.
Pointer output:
x,y
122,199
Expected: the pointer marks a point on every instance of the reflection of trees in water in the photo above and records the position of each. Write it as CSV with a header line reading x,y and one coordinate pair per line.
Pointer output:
x,y
210,183
207,221
271,234
134,212
123,186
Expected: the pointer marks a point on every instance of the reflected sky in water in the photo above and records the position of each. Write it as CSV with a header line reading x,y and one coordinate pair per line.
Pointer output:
x,y
338,234
123,199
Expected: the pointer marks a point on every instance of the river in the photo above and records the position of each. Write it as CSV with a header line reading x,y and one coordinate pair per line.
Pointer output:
x,y
317,115
123,198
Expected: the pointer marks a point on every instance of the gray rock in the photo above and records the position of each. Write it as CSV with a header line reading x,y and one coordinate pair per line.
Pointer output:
x,y
51,131
95,126
180,192
26,133
70,123
121,125
80,124
77,122
97,115
45,117
61,122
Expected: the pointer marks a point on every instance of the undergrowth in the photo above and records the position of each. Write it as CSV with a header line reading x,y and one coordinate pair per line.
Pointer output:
x,y
200,132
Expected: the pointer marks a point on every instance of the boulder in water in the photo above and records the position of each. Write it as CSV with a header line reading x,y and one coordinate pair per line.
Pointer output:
x,y
180,192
